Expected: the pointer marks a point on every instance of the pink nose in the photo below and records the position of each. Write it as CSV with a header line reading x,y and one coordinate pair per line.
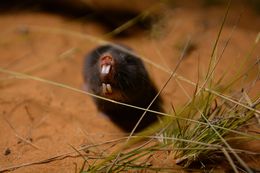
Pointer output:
x,y
106,59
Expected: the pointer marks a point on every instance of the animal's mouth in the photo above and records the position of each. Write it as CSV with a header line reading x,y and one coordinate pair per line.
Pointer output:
x,y
106,73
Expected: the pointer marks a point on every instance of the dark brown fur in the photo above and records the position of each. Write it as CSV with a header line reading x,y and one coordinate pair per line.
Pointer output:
x,y
131,84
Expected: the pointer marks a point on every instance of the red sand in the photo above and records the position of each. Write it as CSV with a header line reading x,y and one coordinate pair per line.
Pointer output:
x,y
54,118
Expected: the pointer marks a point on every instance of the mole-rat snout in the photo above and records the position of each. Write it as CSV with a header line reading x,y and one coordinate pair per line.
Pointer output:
x,y
106,69
106,62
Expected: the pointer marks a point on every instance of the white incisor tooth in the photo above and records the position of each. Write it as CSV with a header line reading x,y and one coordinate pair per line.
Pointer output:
x,y
103,69
107,69
109,89
104,89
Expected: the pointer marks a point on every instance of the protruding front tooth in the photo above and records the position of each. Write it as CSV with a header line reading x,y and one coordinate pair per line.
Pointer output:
x,y
109,89
103,69
107,69
104,88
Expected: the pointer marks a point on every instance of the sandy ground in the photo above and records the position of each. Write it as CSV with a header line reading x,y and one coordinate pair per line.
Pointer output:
x,y
40,120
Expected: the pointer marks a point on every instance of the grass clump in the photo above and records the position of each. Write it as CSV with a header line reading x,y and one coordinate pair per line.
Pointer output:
x,y
218,120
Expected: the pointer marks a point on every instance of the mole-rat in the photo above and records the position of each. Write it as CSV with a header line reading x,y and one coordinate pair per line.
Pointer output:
x,y
113,73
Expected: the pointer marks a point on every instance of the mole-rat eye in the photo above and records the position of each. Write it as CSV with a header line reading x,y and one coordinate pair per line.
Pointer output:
x,y
129,60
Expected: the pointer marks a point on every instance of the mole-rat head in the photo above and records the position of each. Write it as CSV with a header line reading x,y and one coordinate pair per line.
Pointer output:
x,y
119,72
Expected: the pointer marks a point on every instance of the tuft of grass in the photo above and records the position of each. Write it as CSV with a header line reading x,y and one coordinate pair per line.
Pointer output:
x,y
206,108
